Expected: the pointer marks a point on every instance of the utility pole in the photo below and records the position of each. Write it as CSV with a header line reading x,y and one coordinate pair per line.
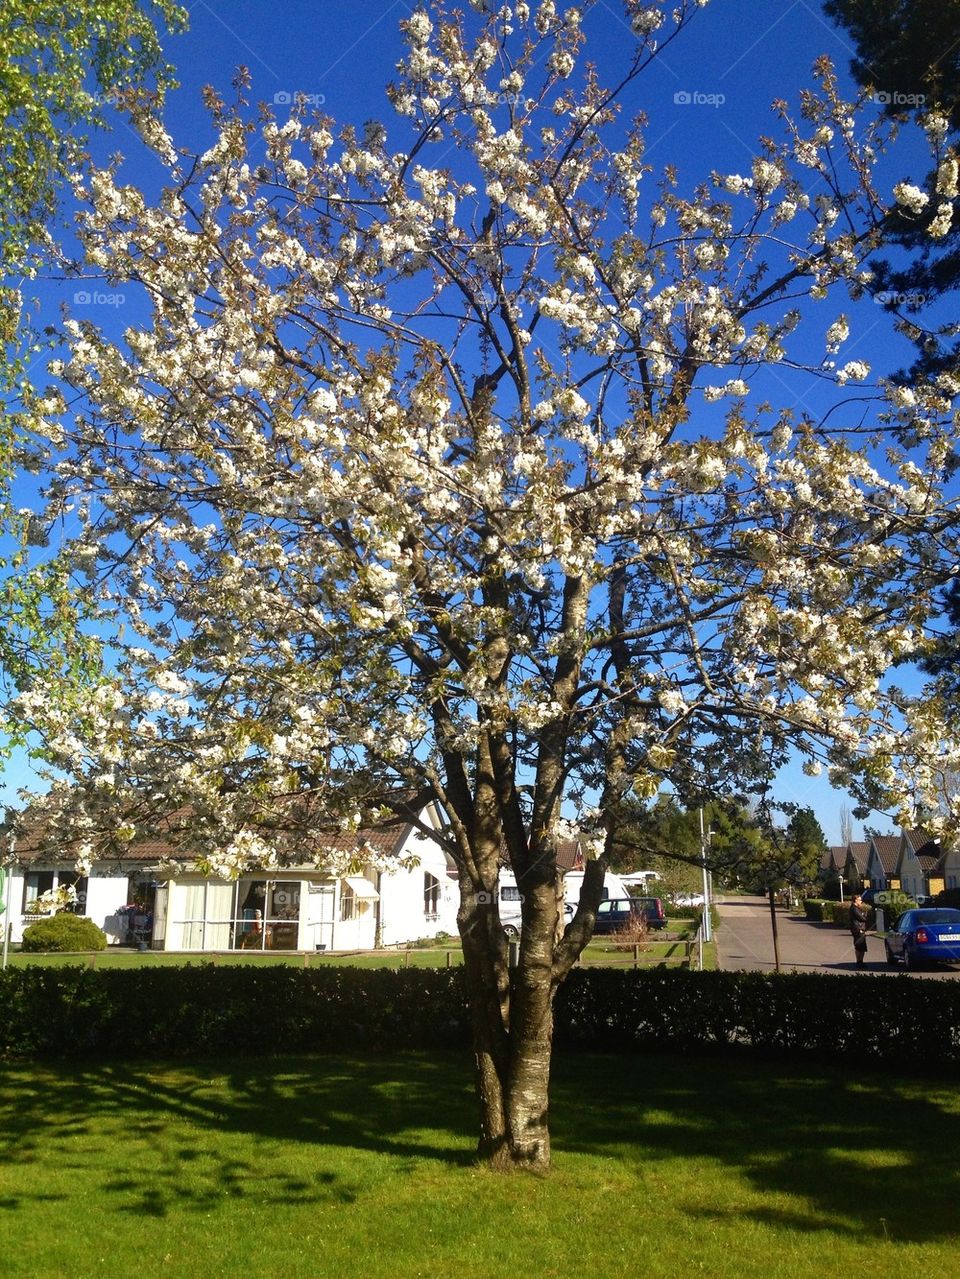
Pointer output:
x,y
771,893
5,882
707,927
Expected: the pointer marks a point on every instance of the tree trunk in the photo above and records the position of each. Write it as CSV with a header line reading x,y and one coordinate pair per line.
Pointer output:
x,y
488,986
512,1028
512,1075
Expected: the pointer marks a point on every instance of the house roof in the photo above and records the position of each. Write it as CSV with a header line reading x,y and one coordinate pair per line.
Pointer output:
x,y
569,856
923,843
857,851
887,849
833,857
38,837
916,838
37,841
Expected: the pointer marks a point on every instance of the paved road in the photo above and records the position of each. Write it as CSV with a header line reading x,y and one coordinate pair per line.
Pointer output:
x,y
744,940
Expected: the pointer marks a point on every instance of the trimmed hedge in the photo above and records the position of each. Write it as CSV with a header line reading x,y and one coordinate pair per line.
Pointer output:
x,y
206,1011
819,909
840,914
203,1010
837,913
913,1024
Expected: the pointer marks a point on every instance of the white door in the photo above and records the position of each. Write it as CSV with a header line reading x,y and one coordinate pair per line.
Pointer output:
x,y
318,921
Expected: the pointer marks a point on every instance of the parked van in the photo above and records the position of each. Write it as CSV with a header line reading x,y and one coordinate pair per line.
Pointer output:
x,y
511,899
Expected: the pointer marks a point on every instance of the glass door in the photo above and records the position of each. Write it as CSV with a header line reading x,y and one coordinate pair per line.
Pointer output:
x,y
283,915
268,917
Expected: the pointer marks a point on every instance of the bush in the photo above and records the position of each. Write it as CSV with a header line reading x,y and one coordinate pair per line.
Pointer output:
x,y
688,911
202,1010
196,1011
840,914
818,909
893,903
632,933
64,932
825,911
915,1025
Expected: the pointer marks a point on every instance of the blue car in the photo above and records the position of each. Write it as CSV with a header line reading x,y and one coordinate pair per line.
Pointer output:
x,y
927,936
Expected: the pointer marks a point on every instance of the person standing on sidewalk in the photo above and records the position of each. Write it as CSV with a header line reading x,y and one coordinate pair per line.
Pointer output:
x,y
858,928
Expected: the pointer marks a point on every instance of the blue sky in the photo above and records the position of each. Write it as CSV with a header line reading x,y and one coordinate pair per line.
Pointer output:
x,y
707,99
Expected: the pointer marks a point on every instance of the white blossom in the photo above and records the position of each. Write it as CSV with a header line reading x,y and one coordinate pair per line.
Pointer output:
x,y
911,197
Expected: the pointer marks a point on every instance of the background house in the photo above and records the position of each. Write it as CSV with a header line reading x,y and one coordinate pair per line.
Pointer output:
x,y
881,864
832,861
854,865
918,867
950,867
399,889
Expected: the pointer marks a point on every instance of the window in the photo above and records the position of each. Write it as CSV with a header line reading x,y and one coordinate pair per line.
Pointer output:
x,y
79,885
35,884
348,903
510,893
431,895
38,882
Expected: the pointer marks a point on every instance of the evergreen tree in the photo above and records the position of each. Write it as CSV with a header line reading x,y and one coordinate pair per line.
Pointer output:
x,y
908,53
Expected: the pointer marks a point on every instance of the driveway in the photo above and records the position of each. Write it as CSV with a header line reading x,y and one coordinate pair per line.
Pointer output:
x,y
744,940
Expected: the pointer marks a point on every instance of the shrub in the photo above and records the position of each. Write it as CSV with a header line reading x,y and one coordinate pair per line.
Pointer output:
x,y
64,932
893,903
686,911
200,1010
632,933
818,909
840,914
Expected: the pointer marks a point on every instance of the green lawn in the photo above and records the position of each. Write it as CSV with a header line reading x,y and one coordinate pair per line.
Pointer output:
x,y
599,952
308,1168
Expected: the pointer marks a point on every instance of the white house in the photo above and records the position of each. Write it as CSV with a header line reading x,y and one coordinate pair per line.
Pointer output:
x,y
133,897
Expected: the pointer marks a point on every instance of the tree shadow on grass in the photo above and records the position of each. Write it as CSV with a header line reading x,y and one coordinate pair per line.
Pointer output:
x,y
188,1136
857,1153
862,1153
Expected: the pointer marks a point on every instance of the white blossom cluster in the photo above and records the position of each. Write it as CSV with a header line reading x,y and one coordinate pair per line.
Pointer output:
x,y
404,482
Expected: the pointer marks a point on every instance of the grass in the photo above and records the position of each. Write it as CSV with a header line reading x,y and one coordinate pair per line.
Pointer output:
x,y
598,952
305,1168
